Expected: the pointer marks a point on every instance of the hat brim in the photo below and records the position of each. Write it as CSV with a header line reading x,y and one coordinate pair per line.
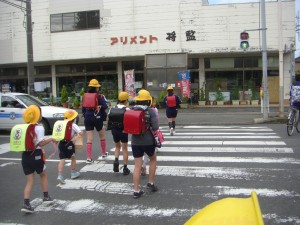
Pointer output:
x,y
35,111
73,117
139,99
97,85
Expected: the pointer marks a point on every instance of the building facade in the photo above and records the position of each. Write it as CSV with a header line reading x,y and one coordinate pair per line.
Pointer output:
x,y
75,41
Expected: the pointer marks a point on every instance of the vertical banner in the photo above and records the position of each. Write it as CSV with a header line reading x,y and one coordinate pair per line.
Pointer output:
x,y
184,79
129,83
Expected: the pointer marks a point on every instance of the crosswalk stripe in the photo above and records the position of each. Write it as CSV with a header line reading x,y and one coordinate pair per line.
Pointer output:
x,y
222,149
88,206
127,189
193,136
211,143
231,173
185,133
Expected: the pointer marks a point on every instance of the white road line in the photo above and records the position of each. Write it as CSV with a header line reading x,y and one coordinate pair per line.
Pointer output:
x,y
190,136
227,127
185,133
213,143
91,206
265,192
199,159
127,189
223,149
227,173
4,148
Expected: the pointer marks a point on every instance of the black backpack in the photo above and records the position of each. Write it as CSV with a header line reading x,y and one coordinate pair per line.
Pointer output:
x,y
116,118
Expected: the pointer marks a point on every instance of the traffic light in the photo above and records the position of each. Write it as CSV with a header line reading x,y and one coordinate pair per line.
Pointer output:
x,y
244,40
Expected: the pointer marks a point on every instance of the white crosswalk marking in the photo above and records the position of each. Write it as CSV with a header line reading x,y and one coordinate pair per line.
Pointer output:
x,y
225,161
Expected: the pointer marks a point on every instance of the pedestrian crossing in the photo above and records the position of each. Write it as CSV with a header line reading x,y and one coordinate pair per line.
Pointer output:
x,y
196,166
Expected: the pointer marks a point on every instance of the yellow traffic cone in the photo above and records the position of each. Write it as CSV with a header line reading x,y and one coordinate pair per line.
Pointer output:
x,y
229,211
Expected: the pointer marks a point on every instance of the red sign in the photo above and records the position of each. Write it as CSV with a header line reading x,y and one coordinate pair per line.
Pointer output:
x,y
185,88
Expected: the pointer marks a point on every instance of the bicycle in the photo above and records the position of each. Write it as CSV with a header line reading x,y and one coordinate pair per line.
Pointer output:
x,y
293,120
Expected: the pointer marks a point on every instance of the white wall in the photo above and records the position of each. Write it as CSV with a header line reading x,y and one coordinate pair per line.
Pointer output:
x,y
217,28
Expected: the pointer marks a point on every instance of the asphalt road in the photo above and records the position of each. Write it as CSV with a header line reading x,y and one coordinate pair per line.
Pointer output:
x,y
199,165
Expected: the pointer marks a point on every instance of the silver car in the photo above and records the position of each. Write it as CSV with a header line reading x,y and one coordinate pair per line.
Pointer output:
x,y
14,104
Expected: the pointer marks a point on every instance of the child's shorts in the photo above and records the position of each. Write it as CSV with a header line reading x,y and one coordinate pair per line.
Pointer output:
x,y
33,161
66,149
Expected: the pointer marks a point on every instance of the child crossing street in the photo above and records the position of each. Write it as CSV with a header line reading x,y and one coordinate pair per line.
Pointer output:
x,y
67,148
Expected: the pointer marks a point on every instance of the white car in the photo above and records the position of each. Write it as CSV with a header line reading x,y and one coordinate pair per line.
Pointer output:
x,y
13,105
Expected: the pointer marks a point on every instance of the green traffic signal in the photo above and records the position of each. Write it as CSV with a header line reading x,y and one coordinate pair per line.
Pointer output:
x,y
244,45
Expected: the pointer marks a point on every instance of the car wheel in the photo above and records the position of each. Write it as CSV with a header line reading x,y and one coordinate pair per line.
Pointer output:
x,y
45,125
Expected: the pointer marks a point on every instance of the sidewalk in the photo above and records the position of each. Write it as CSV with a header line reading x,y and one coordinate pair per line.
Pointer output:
x,y
220,115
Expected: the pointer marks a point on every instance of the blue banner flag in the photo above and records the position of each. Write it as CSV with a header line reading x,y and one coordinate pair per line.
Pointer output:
x,y
184,75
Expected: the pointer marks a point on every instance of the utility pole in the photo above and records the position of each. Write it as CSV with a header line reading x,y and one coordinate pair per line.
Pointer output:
x,y
30,67
264,61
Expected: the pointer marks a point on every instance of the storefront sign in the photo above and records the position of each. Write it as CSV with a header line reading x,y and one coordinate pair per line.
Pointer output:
x,y
133,40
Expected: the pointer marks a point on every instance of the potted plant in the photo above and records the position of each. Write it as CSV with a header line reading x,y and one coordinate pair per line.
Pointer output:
x,y
235,95
161,99
76,103
254,97
202,100
219,97
81,93
64,96
184,102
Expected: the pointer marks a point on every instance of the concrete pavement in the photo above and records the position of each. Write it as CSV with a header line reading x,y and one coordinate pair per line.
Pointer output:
x,y
220,115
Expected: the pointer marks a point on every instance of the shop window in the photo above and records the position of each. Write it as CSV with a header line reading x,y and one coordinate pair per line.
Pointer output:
x,y
207,63
193,63
136,65
43,70
75,21
63,69
109,66
221,63
92,67
249,62
78,68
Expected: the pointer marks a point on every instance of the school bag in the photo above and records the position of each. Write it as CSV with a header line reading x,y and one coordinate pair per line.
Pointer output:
x,y
137,120
116,118
22,138
90,100
295,93
62,130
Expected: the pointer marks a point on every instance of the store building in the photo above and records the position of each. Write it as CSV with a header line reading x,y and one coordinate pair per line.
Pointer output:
x,y
75,41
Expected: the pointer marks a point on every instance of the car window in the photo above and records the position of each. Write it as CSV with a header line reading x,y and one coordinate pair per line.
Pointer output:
x,y
30,100
8,102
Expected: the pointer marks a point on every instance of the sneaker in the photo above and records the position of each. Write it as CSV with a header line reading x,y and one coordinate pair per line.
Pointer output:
x,y
105,155
75,174
172,131
60,179
89,161
138,194
126,171
27,209
48,199
152,187
143,171
116,166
